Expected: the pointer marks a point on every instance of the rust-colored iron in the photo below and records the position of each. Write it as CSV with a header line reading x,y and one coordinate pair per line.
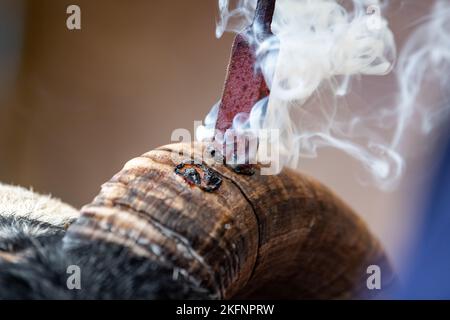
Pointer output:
x,y
199,175
245,85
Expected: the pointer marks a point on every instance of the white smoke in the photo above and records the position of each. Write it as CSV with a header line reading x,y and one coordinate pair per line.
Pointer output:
x,y
323,47
424,66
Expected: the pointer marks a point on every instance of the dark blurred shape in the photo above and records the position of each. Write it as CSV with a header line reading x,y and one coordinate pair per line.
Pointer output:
x,y
12,20
11,29
427,276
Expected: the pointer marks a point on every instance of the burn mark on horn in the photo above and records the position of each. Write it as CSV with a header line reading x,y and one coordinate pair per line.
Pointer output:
x,y
245,169
198,174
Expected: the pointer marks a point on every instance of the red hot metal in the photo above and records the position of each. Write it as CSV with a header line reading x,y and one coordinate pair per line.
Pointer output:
x,y
245,85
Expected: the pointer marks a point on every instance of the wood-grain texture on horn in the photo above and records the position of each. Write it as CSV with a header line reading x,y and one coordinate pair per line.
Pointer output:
x,y
259,236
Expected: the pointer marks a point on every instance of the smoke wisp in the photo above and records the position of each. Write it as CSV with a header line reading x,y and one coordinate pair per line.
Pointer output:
x,y
323,48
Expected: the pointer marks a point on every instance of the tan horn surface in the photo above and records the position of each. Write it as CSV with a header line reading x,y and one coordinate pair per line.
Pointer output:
x,y
259,236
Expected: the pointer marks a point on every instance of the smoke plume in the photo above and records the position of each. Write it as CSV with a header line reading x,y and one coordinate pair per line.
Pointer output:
x,y
324,48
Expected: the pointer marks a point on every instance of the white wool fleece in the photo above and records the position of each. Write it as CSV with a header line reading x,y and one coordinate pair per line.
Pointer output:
x,y
20,202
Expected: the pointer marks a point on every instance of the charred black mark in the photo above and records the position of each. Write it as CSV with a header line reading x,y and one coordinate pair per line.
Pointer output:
x,y
192,176
245,169
199,175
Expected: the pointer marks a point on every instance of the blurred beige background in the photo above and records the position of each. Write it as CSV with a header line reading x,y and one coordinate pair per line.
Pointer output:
x,y
76,105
